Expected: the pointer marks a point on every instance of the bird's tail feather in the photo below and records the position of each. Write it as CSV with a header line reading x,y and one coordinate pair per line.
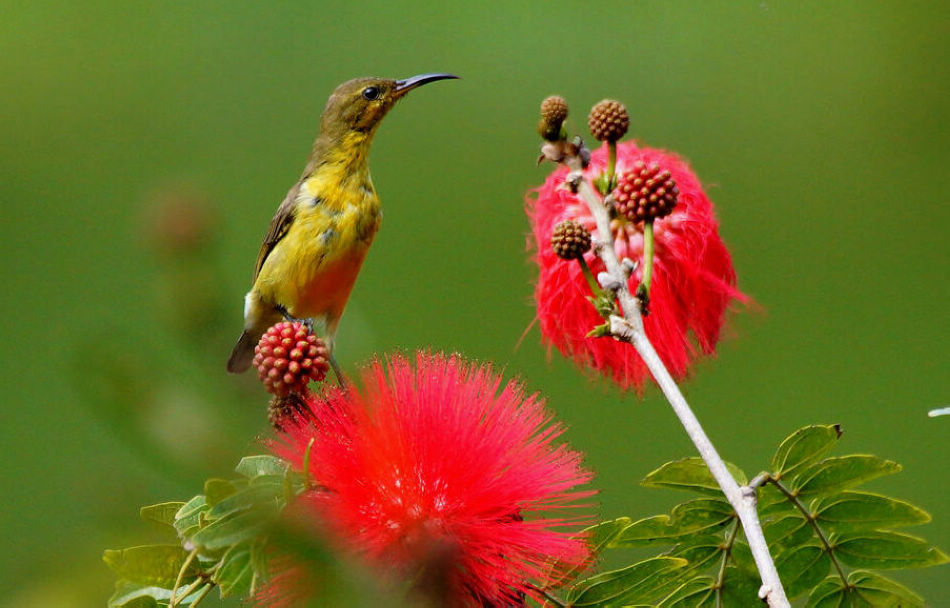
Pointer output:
x,y
243,352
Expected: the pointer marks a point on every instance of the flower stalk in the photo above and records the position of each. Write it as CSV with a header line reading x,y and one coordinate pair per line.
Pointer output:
x,y
629,328
643,290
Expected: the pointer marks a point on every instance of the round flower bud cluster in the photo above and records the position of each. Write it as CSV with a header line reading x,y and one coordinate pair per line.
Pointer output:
x,y
570,240
645,193
608,120
553,114
288,357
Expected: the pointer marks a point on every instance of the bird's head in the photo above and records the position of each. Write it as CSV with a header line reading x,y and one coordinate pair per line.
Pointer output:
x,y
360,104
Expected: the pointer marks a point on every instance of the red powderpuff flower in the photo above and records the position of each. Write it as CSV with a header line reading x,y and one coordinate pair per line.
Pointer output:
x,y
693,279
438,463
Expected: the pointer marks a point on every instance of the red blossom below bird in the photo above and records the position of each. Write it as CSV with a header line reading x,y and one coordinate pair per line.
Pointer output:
x,y
440,462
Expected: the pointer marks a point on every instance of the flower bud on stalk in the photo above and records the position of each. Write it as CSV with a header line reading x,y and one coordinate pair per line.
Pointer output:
x,y
288,357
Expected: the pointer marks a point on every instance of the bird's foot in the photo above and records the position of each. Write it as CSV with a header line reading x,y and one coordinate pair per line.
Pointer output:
x,y
308,323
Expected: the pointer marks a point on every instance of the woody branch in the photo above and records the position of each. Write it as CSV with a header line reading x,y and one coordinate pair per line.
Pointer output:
x,y
629,328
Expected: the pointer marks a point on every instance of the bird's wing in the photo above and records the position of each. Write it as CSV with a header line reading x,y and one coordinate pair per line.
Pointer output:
x,y
278,227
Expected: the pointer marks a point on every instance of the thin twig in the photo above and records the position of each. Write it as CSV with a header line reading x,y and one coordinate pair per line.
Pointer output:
x,y
181,575
727,551
204,592
629,328
814,525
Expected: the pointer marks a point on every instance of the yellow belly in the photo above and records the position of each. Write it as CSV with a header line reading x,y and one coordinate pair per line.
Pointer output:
x,y
312,270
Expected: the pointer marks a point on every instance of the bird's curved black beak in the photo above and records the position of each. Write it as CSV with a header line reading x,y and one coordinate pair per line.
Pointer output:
x,y
407,84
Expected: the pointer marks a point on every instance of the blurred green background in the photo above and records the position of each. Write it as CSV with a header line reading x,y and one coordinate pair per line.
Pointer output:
x,y
146,145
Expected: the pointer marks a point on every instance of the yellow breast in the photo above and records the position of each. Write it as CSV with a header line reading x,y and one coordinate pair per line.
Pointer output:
x,y
311,271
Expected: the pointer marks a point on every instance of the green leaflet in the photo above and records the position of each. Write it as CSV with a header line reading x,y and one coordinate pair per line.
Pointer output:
x,y
802,568
866,590
696,593
131,595
190,517
877,590
836,474
253,467
851,511
699,516
217,490
700,551
599,537
150,565
162,513
236,572
886,550
233,529
690,474
803,447
787,532
639,582
740,588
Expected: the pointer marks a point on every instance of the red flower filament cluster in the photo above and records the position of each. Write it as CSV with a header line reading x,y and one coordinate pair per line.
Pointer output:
x,y
693,280
288,357
437,464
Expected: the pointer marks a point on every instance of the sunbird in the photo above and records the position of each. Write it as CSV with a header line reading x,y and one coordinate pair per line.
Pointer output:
x,y
321,232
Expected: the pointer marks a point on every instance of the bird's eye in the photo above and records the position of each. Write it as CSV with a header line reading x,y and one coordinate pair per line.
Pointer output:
x,y
370,93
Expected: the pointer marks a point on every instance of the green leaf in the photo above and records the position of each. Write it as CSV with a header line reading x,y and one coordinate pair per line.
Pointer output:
x,y
835,474
771,501
741,556
217,490
886,550
740,588
258,495
235,573
255,466
866,590
850,511
223,533
698,516
620,587
690,474
162,513
830,593
804,447
189,519
789,531
696,593
879,591
131,595
648,530
598,538
699,551
802,568
151,565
